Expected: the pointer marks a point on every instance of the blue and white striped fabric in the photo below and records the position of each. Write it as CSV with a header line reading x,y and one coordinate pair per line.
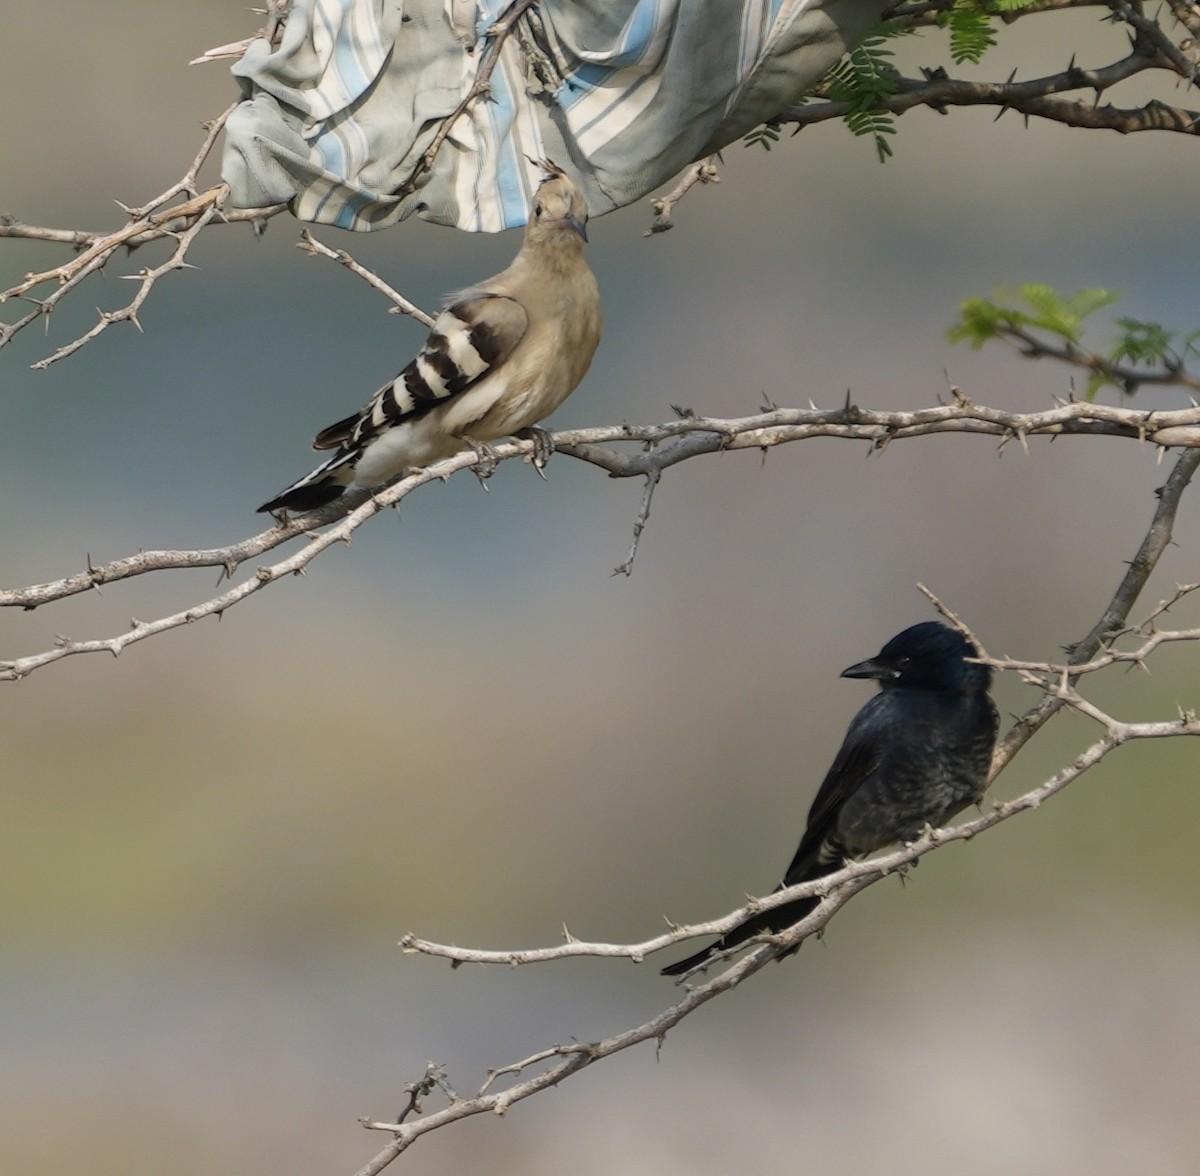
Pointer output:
x,y
622,94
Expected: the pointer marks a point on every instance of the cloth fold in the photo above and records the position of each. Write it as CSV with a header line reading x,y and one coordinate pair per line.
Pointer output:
x,y
622,94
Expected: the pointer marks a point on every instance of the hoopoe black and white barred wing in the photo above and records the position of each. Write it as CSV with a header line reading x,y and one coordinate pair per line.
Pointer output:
x,y
501,358
469,340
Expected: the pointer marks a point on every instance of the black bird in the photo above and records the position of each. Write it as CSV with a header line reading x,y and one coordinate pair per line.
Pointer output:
x,y
915,755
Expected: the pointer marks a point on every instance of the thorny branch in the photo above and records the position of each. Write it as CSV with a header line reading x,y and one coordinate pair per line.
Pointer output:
x,y
315,248
181,222
557,1063
837,890
1113,620
659,448
1152,49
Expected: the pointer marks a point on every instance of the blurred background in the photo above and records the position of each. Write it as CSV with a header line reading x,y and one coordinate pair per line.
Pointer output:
x,y
465,727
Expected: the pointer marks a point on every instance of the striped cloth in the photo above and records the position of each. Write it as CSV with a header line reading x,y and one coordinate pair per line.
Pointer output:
x,y
622,94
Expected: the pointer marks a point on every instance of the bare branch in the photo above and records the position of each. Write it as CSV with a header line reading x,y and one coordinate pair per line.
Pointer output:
x,y
661,446
181,222
147,278
704,172
639,524
315,248
922,13
570,1060
838,889
84,238
667,444
1113,620
1050,675
186,184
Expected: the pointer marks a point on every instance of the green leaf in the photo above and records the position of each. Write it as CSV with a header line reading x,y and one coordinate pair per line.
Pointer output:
x,y
1049,311
763,136
1061,315
971,31
1036,308
980,321
1142,342
864,79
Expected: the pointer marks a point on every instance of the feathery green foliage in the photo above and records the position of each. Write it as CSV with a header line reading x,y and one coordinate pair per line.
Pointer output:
x,y
969,23
1048,311
1027,315
971,31
764,136
864,79
1149,343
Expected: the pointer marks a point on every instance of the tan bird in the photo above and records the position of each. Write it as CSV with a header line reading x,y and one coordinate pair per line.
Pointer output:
x,y
503,355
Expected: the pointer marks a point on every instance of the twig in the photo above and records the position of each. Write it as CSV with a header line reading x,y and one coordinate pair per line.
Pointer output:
x,y
147,278
1164,606
181,222
497,33
276,13
704,172
1128,379
186,184
954,620
639,524
315,248
1116,614
433,1078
